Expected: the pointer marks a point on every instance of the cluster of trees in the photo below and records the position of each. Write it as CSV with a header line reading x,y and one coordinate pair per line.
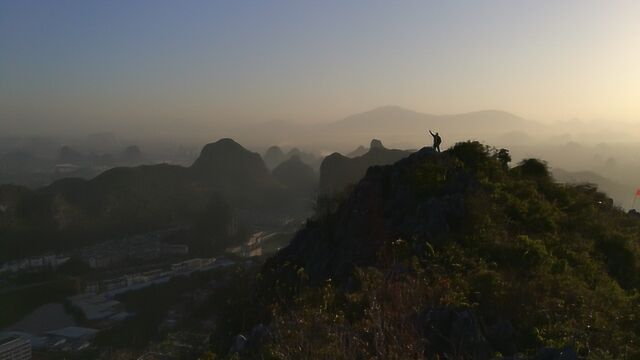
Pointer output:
x,y
532,264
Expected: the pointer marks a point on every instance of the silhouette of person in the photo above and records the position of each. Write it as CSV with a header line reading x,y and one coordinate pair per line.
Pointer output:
x,y
437,140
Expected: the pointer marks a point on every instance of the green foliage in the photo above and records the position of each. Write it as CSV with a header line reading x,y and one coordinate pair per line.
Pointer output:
x,y
534,168
431,177
372,322
621,258
558,262
504,157
485,163
473,154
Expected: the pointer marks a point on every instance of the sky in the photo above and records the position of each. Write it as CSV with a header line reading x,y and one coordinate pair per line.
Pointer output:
x,y
102,65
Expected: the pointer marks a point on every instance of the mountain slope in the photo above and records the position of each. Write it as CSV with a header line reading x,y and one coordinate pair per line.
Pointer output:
x,y
338,171
359,151
384,119
128,200
621,193
237,173
296,176
273,156
395,124
455,255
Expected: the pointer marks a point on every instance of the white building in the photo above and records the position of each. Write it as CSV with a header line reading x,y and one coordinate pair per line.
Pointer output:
x,y
14,347
34,263
187,265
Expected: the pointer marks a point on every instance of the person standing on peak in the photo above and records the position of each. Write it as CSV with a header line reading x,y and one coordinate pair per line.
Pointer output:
x,y
437,140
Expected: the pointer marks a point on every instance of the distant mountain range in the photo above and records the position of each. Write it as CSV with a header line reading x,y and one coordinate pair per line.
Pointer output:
x,y
128,200
621,194
395,125
395,119
274,156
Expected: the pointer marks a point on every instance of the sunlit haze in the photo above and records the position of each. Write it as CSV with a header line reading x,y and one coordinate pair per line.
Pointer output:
x,y
83,66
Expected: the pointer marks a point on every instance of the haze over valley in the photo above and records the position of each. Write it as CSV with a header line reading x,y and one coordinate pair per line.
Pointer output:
x,y
604,154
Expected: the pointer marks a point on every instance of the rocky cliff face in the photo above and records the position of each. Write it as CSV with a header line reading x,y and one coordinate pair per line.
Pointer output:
x,y
382,207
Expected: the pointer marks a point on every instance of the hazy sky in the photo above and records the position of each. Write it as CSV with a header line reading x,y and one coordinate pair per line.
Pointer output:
x,y
92,64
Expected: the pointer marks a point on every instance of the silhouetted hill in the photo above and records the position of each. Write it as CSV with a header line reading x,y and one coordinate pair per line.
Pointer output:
x,y
621,194
398,126
384,119
227,165
306,157
456,255
274,156
294,152
135,199
338,171
363,221
376,144
297,176
396,120
359,151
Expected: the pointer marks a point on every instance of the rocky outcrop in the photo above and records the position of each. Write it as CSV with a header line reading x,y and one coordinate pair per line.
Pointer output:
x,y
376,144
226,163
338,171
381,208
296,176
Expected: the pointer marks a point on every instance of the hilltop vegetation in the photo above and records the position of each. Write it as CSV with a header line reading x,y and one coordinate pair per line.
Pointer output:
x,y
453,255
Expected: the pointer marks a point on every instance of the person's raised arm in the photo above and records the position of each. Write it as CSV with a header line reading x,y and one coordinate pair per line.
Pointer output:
x,y
431,133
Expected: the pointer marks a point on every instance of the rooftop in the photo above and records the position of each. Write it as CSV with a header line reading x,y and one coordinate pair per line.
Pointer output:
x,y
8,337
